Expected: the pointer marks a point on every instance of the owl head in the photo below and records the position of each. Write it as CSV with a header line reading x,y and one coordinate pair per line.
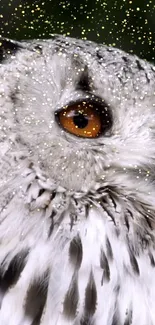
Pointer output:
x,y
83,113
77,151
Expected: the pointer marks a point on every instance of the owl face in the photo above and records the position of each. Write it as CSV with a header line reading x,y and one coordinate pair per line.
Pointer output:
x,y
61,91
77,184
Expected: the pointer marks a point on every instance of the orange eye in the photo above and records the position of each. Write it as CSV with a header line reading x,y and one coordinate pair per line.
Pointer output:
x,y
83,119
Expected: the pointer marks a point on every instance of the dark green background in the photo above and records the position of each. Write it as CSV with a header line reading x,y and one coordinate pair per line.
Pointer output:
x,y
127,24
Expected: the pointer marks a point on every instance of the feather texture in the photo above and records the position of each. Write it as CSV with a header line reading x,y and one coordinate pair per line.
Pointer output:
x,y
77,232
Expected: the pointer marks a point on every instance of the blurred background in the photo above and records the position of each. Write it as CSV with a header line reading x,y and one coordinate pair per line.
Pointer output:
x,y
126,24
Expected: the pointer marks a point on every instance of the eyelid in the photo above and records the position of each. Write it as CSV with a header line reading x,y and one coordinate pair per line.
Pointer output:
x,y
89,98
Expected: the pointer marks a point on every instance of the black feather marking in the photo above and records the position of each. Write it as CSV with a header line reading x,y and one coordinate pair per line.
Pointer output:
x,y
116,314
13,97
90,297
125,59
109,249
84,81
130,213
37,319
36,298
10,277
134,262
126,222
76,252
53,214
105,266
105,208
87,210
86,321
71,299
139,66
152,261
73,219
128,318
41,191
117,289
99,56
116,319
149,221
7,47
113,201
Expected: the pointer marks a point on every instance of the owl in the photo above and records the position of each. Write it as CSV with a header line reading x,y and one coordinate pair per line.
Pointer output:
x,y
77,185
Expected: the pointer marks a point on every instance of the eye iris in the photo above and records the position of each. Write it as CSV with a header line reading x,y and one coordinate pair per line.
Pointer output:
x,y
80,120
84,119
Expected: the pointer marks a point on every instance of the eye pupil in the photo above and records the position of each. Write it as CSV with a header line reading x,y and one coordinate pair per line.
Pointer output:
x,y
80,120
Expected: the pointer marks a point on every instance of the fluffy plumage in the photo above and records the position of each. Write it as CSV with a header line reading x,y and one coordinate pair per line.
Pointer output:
x,y
77,220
